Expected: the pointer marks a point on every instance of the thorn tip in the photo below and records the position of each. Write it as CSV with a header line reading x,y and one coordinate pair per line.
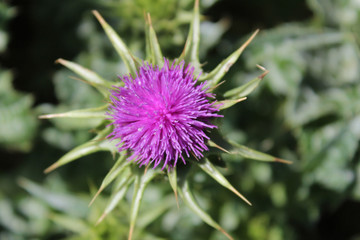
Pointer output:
x,y
95,196
51,168
131,232
283,161
100,219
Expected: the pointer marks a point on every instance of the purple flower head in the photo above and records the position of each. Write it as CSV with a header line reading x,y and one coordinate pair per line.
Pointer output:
x,y
162,114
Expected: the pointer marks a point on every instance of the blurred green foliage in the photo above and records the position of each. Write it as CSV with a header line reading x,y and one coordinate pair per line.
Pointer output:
x,y
306,110
18,122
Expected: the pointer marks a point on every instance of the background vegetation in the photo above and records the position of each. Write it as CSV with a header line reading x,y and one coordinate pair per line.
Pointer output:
x,y
306,110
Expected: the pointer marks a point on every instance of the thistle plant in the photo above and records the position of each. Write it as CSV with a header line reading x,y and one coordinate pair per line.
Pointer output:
x,y
159,120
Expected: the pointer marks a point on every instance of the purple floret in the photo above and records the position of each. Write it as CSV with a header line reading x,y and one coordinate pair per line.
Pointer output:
x,y
162,114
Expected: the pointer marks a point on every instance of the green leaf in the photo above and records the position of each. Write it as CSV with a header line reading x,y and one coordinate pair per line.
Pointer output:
x,y
115,171
141,181
155,50
18,123
99,143
212,171
89,76
118,44
70,223
67,203
98,112
215,75
245,89
9,219
328,153
190,201
247,152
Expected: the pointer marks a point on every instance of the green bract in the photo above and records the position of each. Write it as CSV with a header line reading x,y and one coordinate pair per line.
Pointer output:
x,y
126,173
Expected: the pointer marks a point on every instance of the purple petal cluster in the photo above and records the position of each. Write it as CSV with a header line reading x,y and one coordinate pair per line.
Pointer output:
x,y
161,114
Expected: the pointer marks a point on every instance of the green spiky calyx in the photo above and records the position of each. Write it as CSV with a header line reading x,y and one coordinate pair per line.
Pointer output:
x,y
126,173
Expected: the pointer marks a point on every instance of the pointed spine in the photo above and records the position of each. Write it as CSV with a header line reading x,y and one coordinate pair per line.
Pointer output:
x,y
156,56
191,50
88,76
118,44
82,113
190,201
141,181
211,170
215,76
95,145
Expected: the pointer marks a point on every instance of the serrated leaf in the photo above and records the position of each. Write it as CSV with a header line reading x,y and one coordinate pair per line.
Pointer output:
x,y
99,143
141,181
118,44
190,201
117,169
89,76
249,153
212,171
98,112
191,51
245,89
215,75
156,56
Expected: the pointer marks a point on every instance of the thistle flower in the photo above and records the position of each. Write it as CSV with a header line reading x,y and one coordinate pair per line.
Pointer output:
x,y
161,114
